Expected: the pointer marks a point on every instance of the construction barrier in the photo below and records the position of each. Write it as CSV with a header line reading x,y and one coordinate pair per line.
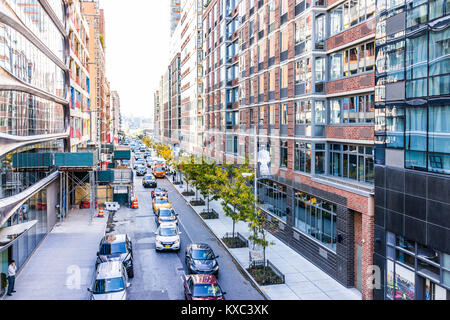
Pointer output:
x,y
100,213
134,203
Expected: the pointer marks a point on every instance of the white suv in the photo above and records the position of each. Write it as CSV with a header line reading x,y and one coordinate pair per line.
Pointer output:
x,y
110,282
168,237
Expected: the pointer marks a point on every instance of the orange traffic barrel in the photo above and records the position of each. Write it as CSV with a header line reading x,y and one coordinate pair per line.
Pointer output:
x,y
100,213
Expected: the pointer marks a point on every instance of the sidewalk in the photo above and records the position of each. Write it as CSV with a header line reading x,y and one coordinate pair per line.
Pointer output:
x,y
63,265
304,281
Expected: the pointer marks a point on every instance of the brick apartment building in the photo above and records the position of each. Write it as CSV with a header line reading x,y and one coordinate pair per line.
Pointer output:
x,y
294,81
299,75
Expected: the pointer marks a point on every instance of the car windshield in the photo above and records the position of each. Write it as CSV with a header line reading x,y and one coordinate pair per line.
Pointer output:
x,y
149,178
165,213
159,169
162,201
109,286
207,290
168,232
114,248
202,254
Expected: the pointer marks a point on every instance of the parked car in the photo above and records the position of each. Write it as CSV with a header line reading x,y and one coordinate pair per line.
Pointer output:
x,y
160,192
168,237
161,202
166,215
149,181
110,282
202,287
200,259
141,171
117,248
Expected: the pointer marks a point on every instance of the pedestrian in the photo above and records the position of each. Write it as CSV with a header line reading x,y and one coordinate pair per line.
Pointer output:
x,y
11,277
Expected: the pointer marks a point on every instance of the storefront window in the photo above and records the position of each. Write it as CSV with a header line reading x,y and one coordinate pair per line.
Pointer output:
x,y
272,197
316,218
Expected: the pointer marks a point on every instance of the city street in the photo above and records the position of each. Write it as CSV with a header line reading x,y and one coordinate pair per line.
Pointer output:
x,y
158,276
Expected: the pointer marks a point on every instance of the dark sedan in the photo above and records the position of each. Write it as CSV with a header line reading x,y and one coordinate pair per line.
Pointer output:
x,y
160,192
200,259
202,287
149,181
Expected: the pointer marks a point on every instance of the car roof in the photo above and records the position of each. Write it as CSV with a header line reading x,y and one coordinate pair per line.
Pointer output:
x,y
200,246
109,270
168,225
204,279
115,238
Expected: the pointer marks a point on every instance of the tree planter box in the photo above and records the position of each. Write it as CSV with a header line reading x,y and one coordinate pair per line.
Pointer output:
x,y
209,215
188,193
238,241
197,203
271,276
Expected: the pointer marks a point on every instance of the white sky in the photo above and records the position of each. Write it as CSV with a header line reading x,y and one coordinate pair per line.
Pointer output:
x,y
137,46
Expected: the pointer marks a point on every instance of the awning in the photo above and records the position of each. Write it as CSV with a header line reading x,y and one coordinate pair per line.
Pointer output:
x,y
10,234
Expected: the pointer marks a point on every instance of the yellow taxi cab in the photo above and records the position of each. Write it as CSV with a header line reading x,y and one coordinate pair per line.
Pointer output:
x,y
159,171
161,202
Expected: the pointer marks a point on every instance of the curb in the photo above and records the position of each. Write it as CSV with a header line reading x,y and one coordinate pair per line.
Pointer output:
x,y
233,258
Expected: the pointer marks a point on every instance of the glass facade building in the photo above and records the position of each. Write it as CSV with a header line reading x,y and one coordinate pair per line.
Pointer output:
x,y
412,107
34,123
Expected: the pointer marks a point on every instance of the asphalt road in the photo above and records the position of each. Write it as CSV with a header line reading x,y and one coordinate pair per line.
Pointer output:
x,y
158,276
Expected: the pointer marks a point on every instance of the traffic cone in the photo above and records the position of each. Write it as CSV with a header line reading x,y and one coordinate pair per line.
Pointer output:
x,y
100,213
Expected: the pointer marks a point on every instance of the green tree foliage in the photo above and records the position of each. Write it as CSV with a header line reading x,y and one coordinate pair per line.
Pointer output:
x,y
235,192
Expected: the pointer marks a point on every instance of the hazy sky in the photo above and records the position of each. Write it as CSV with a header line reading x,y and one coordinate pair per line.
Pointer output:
x,y
137,45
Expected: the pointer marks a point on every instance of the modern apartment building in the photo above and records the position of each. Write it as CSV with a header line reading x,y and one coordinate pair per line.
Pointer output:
x,y
80,102
99,90
157,114
412,182
115,117
191,68
34,122
221,81
175,14
306,95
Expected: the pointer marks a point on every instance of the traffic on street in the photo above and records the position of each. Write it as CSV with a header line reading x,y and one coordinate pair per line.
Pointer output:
x,y
167,253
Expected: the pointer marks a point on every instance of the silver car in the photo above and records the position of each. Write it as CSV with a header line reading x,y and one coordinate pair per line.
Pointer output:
x,y
110,282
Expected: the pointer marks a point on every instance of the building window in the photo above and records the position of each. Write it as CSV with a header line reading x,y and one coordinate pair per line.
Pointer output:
x,y
272,115
316,218
303,74
303,31
283,154
352,61
439,8
302,157
303,112
417,66
415,271
284,115
320,32
320,112
272,197
350,13
356,109
439,72
352,162
395,125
